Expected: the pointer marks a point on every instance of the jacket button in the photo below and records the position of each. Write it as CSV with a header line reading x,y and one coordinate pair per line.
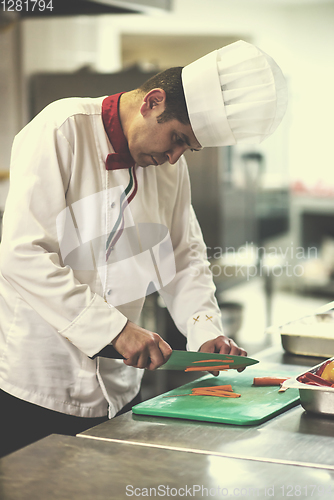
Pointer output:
x,y
109,291
113,204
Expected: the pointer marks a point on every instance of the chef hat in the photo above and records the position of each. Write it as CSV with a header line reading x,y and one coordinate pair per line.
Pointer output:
x,y
234,95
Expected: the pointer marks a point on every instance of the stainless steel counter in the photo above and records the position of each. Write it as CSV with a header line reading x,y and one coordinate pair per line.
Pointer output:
x,y
137,456
294,437
69,468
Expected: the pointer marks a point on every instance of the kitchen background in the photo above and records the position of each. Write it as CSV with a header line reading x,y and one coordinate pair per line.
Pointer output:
x,y
267,212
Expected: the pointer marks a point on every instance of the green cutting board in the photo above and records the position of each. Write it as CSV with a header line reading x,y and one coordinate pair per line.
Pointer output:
x,y
256,404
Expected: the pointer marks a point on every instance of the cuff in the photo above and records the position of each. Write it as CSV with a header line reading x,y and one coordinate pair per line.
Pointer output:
x,y
202,327
95,327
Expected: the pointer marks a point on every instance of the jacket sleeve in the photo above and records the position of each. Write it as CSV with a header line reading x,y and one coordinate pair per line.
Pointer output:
x,y
29,259
190,296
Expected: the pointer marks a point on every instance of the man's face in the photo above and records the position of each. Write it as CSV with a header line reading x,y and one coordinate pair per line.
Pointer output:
x,y
153,143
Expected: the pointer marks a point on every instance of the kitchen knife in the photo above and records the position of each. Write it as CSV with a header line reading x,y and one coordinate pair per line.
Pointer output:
x,y
180,360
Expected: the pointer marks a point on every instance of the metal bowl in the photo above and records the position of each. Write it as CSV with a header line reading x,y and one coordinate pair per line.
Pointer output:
x,y
313,399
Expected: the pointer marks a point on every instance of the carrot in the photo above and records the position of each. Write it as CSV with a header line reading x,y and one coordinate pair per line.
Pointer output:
x,y
222,391
266,381
208,390
214,360
223,394
226,387
211,392
215,390
206,368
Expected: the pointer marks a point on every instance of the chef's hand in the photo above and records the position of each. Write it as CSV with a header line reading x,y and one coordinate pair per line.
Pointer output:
x,y
141,348
223,345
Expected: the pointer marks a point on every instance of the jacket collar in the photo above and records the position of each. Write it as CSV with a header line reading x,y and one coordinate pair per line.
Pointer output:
x,y
121,158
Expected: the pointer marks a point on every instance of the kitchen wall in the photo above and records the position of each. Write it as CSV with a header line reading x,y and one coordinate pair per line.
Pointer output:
x,y
298,34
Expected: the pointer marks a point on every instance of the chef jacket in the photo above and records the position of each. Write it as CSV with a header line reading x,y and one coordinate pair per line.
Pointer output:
x,y
79,252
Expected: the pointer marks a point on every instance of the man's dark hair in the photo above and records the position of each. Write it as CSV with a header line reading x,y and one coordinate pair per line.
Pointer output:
x,y
170,81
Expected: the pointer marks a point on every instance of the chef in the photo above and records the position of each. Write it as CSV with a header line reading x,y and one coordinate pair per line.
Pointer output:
x,y
99,215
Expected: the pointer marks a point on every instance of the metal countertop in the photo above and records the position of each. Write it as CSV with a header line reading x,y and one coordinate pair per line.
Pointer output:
x,y
69,468
294,437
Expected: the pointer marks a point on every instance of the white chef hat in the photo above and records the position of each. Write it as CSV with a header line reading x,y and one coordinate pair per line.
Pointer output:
x,y
234,95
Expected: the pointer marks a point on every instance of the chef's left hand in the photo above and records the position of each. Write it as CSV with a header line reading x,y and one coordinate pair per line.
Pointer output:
x,y
223,345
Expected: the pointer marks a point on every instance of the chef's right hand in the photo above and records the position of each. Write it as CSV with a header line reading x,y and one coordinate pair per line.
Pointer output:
x,y
141,348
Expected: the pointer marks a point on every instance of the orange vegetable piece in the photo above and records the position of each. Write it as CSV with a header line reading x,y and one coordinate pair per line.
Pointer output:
x,y
222,394
206,368
222,391
214,360
226,387
267,381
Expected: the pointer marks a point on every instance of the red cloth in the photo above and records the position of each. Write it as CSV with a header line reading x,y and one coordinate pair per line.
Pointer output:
x,y
112,124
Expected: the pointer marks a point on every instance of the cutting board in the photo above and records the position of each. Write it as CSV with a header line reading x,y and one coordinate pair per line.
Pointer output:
x,y
255,406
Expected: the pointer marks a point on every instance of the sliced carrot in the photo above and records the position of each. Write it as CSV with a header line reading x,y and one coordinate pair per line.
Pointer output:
x,y
212,392
214,360
222,394
206,391
226,387
267,381
206,368
222,391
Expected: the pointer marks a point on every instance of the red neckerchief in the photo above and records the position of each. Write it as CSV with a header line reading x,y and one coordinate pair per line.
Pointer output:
x,y
112,125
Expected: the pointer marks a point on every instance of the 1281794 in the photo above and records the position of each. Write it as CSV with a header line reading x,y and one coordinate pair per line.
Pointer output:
x,y
27,5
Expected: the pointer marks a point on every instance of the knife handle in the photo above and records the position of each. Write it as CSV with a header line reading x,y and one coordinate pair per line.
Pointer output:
x,y
108,352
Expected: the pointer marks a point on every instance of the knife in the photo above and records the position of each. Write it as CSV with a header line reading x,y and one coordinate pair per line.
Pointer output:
x,y
180,360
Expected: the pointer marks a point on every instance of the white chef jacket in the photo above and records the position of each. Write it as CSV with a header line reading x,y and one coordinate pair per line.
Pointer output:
x,y
54,316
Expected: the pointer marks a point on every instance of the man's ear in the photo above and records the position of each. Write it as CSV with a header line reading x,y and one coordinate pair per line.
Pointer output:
x,y
154,99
